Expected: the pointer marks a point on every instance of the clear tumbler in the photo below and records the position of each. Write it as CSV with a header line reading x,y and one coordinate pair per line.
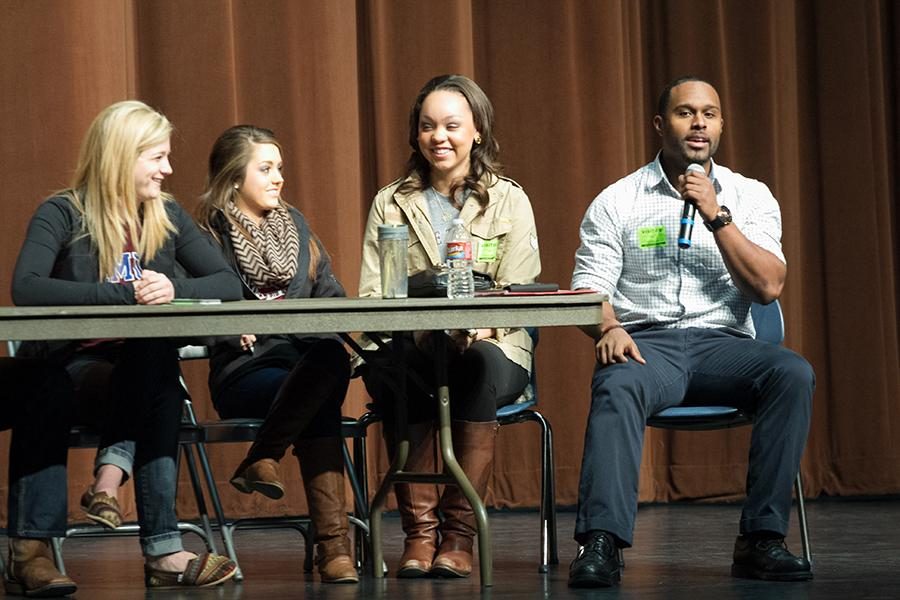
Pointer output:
x,y
393,244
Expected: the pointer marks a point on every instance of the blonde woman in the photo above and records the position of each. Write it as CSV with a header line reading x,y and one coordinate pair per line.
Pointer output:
x,y
115,237
297,384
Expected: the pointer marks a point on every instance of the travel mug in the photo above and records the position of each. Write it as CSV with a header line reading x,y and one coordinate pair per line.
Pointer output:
x,y
393,245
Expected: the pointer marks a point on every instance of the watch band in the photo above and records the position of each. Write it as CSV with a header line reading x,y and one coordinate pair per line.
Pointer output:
x,y
723,218
715,224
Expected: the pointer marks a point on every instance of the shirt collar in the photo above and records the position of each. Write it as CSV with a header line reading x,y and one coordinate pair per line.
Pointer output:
x,y
658,180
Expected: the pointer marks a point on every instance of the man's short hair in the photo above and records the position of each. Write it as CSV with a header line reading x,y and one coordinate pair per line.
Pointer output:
x,y
666,94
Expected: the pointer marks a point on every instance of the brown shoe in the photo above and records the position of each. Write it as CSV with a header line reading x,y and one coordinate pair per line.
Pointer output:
x,y
261,476
322,468
101,508
417,503
31,571
473,444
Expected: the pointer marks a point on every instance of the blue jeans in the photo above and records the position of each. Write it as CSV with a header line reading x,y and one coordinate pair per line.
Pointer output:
x,y
709,367
37,402
136,385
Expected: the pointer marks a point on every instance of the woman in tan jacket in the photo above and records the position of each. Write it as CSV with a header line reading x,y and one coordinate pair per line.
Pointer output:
x,y
453,172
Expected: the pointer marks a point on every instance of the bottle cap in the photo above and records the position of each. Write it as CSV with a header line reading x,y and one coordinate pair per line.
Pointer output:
x,y
388,231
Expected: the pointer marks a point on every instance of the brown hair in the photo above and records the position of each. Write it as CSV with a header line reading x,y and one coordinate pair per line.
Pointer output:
x,y
483,162
228,160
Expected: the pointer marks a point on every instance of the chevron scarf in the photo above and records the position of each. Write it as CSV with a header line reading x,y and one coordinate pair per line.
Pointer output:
x,y
268,258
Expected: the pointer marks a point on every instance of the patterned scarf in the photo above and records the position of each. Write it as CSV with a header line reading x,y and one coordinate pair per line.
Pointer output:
x,y
268,258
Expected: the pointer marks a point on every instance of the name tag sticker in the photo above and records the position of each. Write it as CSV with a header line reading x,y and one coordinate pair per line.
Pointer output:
x,y
652,237
487,250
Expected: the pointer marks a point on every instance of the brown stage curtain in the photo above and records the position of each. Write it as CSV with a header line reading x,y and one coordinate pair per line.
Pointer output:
x,y
810,93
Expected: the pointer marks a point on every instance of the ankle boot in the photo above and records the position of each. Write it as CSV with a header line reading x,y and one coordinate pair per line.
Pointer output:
x,y
322,468
32,572
473,444
260,476
417,503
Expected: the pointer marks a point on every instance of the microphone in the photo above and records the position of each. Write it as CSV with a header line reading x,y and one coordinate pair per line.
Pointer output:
x,y
688,213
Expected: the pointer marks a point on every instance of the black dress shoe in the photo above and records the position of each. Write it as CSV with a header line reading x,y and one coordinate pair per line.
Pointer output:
x,y
768,559
597,564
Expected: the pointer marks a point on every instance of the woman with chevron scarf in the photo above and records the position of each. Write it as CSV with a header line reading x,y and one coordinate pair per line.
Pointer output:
x,y
296,384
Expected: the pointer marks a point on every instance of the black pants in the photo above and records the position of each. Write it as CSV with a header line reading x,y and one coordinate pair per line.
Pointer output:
x,y
306,386
481,380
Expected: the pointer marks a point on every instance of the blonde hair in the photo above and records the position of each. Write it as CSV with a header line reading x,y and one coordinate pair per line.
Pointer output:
x,y
103,186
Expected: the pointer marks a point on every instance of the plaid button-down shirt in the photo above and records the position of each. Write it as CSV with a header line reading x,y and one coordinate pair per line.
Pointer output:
x,y
629,250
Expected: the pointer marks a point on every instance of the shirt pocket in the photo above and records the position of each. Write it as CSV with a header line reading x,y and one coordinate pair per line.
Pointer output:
x,y
489,241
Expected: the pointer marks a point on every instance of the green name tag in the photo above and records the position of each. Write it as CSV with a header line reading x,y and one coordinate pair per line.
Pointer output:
x,y
487,250
652,237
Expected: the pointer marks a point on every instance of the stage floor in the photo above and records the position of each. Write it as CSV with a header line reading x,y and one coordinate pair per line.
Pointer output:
x,y
681,551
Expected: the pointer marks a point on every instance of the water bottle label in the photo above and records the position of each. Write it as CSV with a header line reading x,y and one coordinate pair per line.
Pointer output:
x,y
459,250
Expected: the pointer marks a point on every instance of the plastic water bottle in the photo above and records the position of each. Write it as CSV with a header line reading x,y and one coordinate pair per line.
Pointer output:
x,y
459,261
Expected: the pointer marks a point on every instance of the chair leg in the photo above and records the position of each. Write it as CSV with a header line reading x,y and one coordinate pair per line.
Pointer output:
x,y
801,517
360,509
188,454
549,550
56,545
225,528
549,493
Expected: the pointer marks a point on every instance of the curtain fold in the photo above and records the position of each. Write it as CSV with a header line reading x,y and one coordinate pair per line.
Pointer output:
x,y
811,107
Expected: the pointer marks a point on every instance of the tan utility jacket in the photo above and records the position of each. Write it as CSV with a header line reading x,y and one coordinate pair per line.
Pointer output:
x,y
504,245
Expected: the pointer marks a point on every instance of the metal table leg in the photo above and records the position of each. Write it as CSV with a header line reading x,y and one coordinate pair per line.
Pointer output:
x,y
453,474
485,556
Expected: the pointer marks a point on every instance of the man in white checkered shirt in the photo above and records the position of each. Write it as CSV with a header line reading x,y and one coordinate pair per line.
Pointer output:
x,y
679,325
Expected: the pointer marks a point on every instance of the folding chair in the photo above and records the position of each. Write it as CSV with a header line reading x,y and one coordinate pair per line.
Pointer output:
x,y
245,430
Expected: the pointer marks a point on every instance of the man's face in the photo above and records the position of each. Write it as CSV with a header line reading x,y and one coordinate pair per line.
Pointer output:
x,y
691,126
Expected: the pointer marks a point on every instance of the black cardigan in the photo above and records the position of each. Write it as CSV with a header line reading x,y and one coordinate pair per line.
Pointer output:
x,y
58,265
227,359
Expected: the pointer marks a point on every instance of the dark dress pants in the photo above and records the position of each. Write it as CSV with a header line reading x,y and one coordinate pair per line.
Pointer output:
x,y
707,366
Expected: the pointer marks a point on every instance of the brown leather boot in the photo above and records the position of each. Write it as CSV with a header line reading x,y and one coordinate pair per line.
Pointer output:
x,y
322,468
417,503
31,571
473,444
261,476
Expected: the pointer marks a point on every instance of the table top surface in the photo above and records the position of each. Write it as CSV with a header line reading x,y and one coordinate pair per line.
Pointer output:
x,y
301,316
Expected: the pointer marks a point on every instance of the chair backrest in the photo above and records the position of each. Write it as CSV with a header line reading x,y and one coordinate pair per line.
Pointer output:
x,y
768,321
529,394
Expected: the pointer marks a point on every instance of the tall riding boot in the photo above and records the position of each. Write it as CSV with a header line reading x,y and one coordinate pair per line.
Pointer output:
x,y
32,572
417,503
473,444
301,396
322,468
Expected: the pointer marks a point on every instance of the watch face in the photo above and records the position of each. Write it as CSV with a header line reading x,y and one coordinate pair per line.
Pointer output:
x,y
724,215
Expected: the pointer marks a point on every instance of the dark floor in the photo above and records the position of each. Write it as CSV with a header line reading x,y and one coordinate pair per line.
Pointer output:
x,y
681,551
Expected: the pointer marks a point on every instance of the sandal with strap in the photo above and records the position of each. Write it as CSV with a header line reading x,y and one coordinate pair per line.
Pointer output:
x,y
101,508
204,571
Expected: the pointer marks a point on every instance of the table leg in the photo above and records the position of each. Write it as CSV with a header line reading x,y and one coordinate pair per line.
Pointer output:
x,y
485,556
